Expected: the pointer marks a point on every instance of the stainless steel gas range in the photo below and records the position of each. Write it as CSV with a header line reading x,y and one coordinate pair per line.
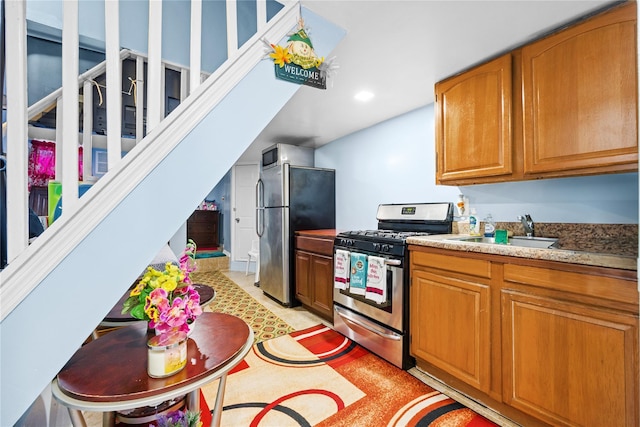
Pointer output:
x,y
371,283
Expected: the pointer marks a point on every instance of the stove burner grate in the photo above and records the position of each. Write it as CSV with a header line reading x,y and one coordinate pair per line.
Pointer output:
x,y
383,234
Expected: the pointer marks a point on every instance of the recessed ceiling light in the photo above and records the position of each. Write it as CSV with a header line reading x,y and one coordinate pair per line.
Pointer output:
x,y
363,96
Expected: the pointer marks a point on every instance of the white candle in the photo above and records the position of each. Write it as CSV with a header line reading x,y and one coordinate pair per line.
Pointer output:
x,y
167,354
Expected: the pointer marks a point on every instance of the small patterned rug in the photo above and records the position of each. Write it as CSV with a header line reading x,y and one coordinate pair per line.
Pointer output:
x,y
232,299
317,377
209,253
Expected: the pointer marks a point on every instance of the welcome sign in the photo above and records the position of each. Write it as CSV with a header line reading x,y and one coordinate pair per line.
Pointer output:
x,y
297,62
296,74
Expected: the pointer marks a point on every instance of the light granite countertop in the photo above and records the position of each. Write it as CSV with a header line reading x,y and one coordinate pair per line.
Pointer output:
x,y
568,255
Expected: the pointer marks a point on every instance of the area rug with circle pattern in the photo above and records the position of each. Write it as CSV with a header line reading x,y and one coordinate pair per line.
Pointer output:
x,y
317,377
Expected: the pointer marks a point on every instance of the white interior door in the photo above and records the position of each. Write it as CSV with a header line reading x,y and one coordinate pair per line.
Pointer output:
x,y
245,178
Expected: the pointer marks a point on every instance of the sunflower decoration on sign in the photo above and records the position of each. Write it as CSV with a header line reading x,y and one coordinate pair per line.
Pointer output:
x,y
297,62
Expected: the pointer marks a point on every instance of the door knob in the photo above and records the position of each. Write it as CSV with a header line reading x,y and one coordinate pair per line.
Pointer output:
x,y
237,219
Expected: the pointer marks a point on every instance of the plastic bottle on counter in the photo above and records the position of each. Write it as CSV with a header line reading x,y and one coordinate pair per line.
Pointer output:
x,y
489,226
462,206
474,224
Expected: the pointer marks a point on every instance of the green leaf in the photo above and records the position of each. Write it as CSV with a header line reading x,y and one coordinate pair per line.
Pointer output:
x,y
138,312
129,304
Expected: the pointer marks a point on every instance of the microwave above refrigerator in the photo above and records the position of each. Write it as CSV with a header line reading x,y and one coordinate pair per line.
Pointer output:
x,y
279,154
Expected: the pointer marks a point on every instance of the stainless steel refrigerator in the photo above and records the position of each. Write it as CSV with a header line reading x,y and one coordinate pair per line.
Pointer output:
x,y
289,198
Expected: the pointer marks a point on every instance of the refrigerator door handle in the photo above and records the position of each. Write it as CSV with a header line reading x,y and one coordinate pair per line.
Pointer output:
x,y
259,193
259,208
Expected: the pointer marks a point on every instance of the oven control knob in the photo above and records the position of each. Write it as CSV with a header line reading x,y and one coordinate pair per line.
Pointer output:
x,y
386,248
376,246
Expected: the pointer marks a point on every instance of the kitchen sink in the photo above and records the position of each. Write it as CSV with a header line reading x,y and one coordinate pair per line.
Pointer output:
x,y
522,241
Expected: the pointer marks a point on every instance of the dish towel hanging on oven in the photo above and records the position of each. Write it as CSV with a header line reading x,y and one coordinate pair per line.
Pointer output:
x,y
358,277
341,269
376,289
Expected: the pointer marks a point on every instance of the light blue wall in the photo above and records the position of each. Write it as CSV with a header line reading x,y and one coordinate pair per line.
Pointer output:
x,y
393,162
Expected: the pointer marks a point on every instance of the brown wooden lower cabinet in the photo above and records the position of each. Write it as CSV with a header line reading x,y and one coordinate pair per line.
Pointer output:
x,y
452,326
542,342
568,364
314,274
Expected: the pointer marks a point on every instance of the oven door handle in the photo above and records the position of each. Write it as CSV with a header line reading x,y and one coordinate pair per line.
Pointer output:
x,y
368,326
392,262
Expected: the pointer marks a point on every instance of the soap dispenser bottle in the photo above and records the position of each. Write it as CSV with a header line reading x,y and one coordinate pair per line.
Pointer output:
x,y
489,226
474,224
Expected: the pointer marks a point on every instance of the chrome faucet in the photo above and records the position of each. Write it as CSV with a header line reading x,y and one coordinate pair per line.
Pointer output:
x,y
527,223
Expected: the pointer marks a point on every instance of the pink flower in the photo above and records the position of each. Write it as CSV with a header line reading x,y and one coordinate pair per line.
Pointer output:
x,y
159,298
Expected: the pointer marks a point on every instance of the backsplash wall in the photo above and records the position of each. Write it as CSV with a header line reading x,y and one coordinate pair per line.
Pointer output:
x,y
394,162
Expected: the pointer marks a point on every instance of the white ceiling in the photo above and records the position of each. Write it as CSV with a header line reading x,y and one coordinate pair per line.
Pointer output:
x,y
405,48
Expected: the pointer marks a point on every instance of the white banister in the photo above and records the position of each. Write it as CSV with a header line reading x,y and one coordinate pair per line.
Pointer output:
x,y
17,149
87,129
139,97
59,135
195,54
163,87
232,28
19,277
261,14
184,84
46,268
69,141
114,82
66,134
155,101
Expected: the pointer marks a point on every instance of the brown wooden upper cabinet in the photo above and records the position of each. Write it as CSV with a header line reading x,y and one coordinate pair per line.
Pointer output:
x,y
565,105
473,122
580,97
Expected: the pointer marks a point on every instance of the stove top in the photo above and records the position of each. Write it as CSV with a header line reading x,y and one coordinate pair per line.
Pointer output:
x,y
397,222
390,242
378,235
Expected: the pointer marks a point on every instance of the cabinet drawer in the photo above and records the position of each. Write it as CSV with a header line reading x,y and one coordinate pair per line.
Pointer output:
x,y
313,244
475,267
608,288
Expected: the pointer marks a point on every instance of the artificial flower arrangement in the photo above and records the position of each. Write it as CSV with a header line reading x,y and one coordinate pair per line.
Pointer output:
x,y
180,419
166,298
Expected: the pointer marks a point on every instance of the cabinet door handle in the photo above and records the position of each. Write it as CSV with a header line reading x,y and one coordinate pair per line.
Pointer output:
x,y
369,327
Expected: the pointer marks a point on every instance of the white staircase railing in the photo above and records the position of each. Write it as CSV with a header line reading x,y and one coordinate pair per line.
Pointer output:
x,y
81,215
42,277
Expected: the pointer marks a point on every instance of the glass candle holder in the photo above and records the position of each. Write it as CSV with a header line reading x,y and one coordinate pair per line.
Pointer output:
x,y
167,354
